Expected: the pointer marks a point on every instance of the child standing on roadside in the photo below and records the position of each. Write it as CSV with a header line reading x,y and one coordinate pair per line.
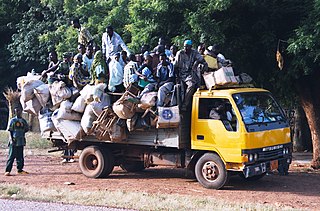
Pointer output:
x,y
17,128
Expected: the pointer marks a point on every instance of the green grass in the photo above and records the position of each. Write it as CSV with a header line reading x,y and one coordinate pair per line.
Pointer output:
x,y
129,200
34,141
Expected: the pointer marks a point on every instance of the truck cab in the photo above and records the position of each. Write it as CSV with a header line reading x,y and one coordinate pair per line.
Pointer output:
x,y
252,139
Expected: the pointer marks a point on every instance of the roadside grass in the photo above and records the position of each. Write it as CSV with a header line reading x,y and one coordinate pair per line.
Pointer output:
x,y
34,140
128,200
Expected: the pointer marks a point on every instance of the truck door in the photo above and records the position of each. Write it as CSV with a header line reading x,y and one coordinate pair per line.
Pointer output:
x,y
215,128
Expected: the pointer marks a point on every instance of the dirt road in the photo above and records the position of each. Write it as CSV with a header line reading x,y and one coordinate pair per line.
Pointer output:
x,y
301,189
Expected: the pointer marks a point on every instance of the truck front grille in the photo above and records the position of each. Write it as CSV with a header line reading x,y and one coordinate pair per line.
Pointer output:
x,y
269,155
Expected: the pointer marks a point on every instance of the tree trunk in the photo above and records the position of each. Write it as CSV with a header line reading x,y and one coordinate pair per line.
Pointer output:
x,y
301,133
308,88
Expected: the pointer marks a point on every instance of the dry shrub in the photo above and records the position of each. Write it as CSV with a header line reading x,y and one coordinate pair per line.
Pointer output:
x,y
13,98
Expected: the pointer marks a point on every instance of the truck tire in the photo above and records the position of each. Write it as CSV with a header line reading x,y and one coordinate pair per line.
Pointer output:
x,y
133,166
211,172
95,162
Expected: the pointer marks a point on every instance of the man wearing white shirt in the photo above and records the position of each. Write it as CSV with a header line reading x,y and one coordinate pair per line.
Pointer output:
x,y
112,43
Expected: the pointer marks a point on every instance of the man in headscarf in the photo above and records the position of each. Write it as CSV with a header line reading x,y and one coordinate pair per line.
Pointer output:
x,y
98,69
186,63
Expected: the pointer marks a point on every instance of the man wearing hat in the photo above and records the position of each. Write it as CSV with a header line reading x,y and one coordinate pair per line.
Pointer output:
x,y
186,63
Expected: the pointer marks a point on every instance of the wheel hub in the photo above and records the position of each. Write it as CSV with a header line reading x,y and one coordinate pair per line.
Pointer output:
x,y
91,162
210,171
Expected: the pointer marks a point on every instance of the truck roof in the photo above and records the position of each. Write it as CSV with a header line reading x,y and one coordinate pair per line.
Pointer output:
x,y
224,92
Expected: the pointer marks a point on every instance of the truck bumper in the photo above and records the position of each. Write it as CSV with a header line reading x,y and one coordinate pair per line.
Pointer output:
x,y
282,165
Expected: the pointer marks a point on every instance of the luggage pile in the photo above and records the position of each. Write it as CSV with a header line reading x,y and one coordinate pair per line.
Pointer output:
x,y
76,113
224,76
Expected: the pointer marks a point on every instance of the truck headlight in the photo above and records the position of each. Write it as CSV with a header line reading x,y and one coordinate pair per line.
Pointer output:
x,y
284,151
256,156
251,157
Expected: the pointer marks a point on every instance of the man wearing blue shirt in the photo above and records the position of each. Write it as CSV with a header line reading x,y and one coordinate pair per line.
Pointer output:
x,y
165,76
17,128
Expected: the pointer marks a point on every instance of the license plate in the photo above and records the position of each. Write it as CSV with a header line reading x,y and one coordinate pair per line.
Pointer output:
x,y
274,165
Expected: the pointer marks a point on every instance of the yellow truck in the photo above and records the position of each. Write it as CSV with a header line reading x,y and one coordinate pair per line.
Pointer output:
x,y
229,131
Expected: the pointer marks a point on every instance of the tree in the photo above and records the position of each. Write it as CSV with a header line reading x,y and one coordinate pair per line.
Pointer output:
x,y
304,46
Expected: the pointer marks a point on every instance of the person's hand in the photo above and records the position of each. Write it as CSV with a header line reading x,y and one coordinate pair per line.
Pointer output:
x,y
43,74
194,67
145,78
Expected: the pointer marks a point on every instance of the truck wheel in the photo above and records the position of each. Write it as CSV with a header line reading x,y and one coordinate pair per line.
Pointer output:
x,y
95,162
133,166
211,172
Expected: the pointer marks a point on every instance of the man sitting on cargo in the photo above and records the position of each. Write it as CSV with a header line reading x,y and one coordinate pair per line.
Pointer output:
x,y
88,58
129,70
53,65
165,78
146,79
222,61
62,72
186,64
77,74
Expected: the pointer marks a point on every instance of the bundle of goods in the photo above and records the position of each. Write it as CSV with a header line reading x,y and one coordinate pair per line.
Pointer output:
x,y
60,107
225,76
76,113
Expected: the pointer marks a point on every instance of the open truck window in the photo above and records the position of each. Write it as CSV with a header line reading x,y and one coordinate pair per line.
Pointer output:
x,y
218,109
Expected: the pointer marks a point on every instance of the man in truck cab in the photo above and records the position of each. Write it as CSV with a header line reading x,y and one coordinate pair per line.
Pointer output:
x,y
186,63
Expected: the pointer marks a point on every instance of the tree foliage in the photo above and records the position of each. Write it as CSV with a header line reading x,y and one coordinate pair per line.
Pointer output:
x,y
247,30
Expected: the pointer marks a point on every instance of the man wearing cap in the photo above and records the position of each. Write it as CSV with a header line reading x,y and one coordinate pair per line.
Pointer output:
x,y
112,43
84,37
186,63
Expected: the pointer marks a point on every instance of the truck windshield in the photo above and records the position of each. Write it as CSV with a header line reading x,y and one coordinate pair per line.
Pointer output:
x,y
258,107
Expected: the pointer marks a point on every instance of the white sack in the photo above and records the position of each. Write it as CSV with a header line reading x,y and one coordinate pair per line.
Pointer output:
x,y
79,105
97,107
98,91
32,106
87,119
70,130
65,112
24,79
27,91
59,92
149,99
45,120
42,94
87,91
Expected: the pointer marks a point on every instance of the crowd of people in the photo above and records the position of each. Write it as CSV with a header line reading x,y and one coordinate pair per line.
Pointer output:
x,y
158,69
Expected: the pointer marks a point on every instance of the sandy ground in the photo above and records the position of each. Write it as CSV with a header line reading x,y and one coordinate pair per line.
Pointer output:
x,y
300,189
